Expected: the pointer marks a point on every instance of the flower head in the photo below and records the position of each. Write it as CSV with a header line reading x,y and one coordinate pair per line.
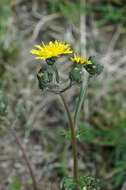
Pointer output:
x,y
53,49
80,60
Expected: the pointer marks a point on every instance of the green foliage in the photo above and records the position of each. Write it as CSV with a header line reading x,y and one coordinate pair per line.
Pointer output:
x,y
108,130
65,133
7,33
68,183
15,185
7,47
106,12
4,100
53,5
90,183
70,10
111,12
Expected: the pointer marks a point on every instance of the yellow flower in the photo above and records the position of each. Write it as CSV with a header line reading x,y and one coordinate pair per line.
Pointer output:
x,y
53,49
84,188
80,60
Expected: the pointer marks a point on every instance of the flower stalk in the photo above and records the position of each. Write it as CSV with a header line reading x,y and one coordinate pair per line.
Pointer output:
x,y
73,137
81,99
56,73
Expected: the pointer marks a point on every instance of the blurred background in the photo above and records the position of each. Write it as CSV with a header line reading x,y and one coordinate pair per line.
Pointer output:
x,y
92,27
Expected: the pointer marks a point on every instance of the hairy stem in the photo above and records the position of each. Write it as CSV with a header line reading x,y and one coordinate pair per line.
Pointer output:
x,y
56,73
74,147
17,140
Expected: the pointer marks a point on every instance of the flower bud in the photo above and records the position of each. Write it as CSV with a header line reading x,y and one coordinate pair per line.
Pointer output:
x,y
94,68
75,74
44,78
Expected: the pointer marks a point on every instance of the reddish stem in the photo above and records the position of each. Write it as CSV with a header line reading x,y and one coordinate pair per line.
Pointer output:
x,y
14,133
73,137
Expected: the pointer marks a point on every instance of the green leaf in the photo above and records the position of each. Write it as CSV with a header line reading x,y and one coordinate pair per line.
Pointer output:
x,y
68,183
65,133
15,185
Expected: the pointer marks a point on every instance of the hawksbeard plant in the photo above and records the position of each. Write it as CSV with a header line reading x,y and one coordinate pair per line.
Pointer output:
x,y
49,80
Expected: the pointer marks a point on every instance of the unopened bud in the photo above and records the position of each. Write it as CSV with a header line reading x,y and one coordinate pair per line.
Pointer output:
x,y
44,78
75,74
94,68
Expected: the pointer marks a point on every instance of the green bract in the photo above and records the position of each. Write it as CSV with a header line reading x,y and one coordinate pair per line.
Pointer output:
x,y
94,68
44,78
75,74
50,61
